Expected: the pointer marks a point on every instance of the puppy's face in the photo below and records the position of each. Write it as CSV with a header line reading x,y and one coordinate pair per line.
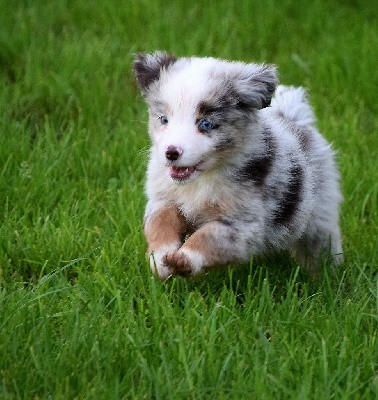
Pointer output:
x,y
199,109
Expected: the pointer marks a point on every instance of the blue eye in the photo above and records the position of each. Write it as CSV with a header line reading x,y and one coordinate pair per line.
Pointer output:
x,y
205,125
163,119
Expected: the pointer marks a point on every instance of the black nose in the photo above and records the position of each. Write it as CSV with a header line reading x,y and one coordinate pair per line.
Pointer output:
x,y
173,153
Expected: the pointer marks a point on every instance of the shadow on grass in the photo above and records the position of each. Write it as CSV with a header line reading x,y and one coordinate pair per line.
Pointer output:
x,y
244,280
280,276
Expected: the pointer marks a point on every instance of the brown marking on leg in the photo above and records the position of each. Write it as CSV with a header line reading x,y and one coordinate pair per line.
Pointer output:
x,y
211,243
164,227
214,244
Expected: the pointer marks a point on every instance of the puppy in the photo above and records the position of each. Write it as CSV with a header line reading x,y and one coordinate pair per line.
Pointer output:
x,y
233,172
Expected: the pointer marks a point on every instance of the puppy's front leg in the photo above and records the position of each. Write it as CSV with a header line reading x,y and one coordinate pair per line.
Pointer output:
x,y
215,243
164,230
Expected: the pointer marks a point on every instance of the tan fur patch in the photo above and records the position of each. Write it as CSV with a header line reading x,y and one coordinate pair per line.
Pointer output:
x,y
204,241
164,227
209,212
213,211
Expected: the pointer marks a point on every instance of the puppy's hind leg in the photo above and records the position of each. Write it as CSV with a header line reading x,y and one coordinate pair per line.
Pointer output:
x,y
318,247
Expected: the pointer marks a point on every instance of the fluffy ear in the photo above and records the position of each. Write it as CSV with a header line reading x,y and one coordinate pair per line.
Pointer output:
x,y
256,84
147,68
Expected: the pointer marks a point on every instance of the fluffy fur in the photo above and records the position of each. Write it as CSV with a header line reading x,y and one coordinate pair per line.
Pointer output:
x,y
233,172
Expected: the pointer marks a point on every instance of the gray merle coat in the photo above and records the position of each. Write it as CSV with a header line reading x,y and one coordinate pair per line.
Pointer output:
x,y
233,172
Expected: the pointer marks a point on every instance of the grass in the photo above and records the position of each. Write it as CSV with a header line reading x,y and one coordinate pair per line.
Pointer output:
x,y
80,315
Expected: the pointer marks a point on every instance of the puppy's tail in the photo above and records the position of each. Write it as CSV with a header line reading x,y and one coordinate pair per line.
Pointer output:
x,y
292,102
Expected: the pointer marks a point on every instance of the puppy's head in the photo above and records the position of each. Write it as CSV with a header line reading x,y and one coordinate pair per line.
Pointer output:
x,y
201,110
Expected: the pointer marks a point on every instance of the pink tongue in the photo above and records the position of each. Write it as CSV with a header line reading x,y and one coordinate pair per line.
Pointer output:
x,y
181,172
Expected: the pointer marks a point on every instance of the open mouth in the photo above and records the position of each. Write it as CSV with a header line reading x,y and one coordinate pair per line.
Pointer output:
x,y
182,173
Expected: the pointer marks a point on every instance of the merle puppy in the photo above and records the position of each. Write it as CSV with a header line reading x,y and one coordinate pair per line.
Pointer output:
x,y
233,172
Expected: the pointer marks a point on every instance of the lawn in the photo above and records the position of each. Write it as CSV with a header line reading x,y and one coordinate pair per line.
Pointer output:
x,y
80,315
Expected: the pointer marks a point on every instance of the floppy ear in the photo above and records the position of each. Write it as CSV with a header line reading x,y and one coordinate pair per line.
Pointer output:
x,y
147,68
255,85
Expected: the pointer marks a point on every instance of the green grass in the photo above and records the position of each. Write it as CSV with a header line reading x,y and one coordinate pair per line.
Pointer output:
x,y
80,315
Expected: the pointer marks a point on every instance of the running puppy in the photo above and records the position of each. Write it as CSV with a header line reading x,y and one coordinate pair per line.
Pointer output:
x,y
233,172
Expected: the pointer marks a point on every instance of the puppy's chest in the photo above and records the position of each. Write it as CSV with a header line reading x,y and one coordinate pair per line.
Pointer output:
x,y
203,213
200,206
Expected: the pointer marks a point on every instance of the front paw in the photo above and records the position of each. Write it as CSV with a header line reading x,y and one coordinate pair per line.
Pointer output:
x,y
184,262
157,261
178,263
